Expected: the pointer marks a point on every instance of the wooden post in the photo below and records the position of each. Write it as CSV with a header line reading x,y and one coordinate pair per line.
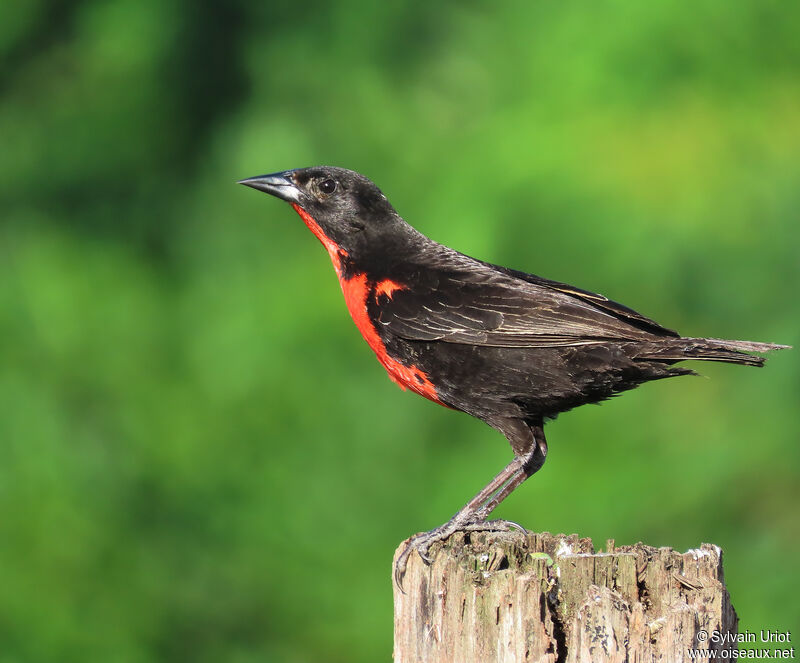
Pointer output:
x,y
514,596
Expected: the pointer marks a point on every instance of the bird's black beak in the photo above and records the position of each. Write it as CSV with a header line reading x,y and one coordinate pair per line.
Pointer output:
x,y
280,185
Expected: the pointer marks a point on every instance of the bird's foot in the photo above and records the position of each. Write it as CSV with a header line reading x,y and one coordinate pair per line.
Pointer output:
x,y
422,542
493,526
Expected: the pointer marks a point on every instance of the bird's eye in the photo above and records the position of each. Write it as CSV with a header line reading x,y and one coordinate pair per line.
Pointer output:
x,y
327,186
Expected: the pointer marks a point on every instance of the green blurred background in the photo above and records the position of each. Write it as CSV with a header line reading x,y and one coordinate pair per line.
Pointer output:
x,y
174,344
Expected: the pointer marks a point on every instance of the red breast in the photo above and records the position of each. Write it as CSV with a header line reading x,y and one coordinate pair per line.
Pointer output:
x,y
357,289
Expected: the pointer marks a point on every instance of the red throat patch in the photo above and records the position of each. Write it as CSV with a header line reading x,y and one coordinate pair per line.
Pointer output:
x,y
357,290
332,247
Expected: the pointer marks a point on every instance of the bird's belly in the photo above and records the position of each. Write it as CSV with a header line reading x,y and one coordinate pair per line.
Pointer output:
x,y
491,382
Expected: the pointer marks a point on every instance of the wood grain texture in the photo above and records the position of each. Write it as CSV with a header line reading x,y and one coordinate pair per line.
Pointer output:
x,y
515,597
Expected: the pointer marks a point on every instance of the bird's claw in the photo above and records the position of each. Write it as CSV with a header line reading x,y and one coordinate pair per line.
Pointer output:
x,y
494,526
422,551
422,542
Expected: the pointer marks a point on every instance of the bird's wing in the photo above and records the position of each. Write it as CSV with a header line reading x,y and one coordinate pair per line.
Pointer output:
x,y
600,301
495,308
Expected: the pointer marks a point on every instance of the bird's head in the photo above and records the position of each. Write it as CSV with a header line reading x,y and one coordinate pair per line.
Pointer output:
x,y
341,207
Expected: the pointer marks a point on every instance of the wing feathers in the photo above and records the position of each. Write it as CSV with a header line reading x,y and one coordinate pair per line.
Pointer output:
x,y
480,305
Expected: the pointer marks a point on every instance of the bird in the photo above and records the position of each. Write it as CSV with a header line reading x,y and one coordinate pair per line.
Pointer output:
x,y
510,348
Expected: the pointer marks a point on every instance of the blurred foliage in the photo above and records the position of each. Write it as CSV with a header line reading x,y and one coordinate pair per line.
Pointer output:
x,y
199,458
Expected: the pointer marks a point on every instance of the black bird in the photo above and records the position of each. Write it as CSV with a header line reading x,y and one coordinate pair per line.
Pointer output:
x,y
510,348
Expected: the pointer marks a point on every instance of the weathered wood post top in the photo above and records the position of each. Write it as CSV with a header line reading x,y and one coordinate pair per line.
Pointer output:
x,y
521,596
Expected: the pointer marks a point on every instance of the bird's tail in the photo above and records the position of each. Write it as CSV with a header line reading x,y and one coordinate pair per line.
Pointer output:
x,y
708,349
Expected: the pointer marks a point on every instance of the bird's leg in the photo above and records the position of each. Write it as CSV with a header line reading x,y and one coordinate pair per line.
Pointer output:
x,y
472,516
465,516
532,464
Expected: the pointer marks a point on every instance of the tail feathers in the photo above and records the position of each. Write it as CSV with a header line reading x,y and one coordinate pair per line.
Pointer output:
x,y
708,349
